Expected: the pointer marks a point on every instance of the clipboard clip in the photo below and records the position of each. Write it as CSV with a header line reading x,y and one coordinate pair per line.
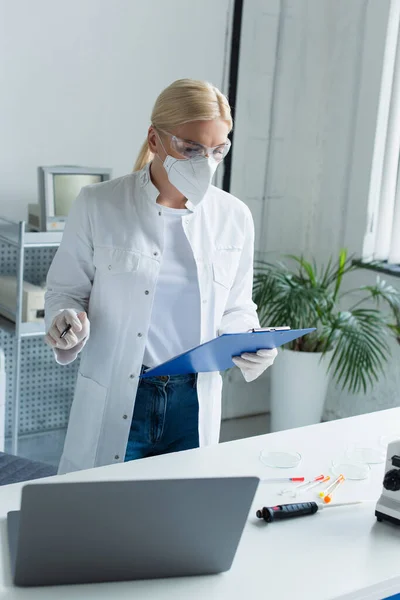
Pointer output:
x,y
259,329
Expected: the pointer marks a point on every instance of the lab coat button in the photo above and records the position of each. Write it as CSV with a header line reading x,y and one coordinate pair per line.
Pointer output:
x,y
109,267
132,376
139,335
147,292
125,417
155,253
116,457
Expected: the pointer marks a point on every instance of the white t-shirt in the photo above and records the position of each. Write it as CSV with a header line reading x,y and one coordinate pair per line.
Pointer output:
x,y
175,318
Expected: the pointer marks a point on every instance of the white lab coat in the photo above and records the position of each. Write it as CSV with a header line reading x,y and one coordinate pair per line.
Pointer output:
x,y
108,264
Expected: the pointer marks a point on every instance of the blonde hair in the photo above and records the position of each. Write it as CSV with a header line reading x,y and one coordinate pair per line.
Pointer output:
x,y
184,101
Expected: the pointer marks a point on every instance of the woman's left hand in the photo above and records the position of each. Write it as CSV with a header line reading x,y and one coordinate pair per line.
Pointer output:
x,y
253,365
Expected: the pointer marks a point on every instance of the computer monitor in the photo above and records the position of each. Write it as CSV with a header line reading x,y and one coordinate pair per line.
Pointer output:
x,y
58,188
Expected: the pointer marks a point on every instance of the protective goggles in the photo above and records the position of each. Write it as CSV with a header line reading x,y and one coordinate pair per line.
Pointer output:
x,y
189,149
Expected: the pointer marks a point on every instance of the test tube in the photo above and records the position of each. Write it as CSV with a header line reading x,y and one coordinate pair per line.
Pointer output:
x,y
330,487
328,497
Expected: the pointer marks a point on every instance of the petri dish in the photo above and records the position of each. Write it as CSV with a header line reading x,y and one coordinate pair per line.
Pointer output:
x,y
371,456
280,459
350,469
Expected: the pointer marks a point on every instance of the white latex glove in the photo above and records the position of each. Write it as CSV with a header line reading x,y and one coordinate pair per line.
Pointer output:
x,y
253,365
67,348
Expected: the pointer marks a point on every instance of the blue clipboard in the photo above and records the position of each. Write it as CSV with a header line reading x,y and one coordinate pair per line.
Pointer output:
x,y
216,355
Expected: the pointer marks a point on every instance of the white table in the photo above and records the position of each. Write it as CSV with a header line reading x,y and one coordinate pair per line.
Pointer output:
x,y
339,553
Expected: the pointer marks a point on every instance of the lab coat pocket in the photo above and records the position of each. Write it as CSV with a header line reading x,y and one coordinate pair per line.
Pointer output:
x,y
225,264
115,260
85,422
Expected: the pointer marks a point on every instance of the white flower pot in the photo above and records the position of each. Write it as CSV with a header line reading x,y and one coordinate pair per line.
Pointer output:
x,y
299,383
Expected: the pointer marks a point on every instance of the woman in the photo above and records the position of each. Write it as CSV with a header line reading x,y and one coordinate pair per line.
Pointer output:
x,y
158,261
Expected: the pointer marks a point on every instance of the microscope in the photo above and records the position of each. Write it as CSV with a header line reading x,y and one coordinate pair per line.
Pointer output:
x,y
388,505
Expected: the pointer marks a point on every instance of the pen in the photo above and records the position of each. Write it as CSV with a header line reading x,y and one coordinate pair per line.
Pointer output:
x,y
64,333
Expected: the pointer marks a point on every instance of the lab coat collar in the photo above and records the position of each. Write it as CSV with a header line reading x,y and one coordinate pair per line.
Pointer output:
x,y
151,190
147,184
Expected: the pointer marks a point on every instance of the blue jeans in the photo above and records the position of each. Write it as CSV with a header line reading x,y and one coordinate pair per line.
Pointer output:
x,y
165,418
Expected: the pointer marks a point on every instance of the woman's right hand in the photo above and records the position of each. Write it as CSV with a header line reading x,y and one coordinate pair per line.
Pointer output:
x,y
77,334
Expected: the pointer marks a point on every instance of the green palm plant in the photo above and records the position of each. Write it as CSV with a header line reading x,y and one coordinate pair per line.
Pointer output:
x,y
309,296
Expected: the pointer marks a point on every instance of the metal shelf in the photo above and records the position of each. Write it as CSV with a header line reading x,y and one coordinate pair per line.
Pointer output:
x,y
10,234
26,329
7,314
41,239
15,234
7,326
32,329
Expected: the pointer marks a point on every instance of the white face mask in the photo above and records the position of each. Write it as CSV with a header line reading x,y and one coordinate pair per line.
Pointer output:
x,y
191,176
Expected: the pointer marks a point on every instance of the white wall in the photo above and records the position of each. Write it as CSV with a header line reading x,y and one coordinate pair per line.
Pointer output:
x,y
309,86
78,80
308,97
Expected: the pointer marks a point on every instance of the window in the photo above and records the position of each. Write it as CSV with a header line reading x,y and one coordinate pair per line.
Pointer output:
x,y
382,240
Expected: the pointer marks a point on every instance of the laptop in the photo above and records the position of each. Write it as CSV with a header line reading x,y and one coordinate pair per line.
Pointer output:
x,y
88,532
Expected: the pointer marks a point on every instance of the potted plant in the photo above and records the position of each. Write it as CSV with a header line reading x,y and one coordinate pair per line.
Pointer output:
x,y
350,343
